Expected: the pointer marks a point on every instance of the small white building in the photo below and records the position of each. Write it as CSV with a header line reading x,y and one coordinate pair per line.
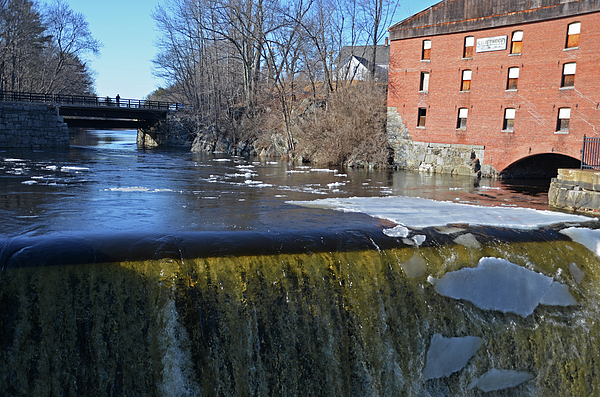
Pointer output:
x,y
354,63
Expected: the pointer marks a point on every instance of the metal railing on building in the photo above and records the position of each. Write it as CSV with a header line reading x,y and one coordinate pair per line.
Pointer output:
x,y
83,100
590,153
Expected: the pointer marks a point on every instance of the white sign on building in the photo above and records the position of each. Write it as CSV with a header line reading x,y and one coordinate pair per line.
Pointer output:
x,y
497,43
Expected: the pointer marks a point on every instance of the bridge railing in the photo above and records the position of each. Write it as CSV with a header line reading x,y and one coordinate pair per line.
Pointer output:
x,y
60,99
590,153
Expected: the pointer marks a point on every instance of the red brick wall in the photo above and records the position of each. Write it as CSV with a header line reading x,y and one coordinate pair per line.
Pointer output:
x,y
536,101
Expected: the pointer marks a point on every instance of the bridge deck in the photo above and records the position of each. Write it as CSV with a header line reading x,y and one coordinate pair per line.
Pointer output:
x,y
99,112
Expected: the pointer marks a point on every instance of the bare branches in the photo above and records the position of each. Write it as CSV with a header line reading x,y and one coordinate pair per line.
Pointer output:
x,y
42,51
230,58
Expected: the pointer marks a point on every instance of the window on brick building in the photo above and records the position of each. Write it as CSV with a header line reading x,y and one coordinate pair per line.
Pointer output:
x,y
568,76
573,35
509,120
424,85
461,123
469,44
564,116
422,117
517,41
465,84
426,55
513,78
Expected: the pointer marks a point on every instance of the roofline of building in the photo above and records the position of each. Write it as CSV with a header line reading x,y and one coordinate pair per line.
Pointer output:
x,y
423,24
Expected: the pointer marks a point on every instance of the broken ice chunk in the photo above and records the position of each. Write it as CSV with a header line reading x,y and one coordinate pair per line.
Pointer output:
x,y
398,231
558,295
468,240
577,273
415,266
498,379
448,355
497,284
588,237
415,240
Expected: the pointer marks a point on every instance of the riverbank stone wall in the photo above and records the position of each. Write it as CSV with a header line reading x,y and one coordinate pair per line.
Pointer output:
x,y
443,158
177,130
33,126
575,190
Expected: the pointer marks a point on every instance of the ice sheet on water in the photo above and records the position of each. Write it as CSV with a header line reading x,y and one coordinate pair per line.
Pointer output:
x,y
586,237
419,212
498,379
497,284
448,355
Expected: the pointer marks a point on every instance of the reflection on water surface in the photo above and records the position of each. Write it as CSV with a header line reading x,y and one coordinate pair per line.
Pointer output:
x,y
105,183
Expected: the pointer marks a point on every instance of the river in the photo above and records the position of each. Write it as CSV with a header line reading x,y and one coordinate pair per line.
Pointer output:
x,y
163,272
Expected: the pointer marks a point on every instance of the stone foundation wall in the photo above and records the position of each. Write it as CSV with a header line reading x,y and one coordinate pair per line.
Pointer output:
x,y
575,190
32,126
172,132
433,157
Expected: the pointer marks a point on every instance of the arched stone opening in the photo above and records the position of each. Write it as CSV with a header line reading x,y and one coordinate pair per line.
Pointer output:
x,y
539,166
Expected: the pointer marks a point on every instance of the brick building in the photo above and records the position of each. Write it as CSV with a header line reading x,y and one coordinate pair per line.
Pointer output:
x,y
516,83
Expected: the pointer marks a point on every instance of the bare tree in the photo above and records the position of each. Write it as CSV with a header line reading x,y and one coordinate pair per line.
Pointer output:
x,y
283,55
377,15
22,40
42,51
71,41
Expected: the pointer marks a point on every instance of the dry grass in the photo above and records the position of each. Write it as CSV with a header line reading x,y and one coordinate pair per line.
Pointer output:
x,y
350,130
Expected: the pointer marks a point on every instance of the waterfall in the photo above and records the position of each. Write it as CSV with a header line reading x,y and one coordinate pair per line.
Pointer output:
x,y
320,322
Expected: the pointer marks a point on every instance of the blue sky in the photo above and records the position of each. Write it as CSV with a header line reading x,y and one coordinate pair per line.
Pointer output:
x,y
128,34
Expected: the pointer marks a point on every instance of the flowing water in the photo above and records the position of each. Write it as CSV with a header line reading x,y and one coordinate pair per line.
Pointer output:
x,y
168,273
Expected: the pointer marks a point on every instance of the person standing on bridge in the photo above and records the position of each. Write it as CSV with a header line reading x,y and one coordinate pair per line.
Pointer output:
x,y
118,98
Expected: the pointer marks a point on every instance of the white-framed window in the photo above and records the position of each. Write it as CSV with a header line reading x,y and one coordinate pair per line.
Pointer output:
x,y
461,122
422,117
426,54
469,45
516,42
568,75
509,120
465,84
564,118
573,31
424,84
513,78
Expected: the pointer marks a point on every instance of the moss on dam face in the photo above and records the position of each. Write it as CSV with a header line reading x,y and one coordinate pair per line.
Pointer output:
x,y
332,323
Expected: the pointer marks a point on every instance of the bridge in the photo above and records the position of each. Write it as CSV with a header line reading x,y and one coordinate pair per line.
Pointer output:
x,y
99,112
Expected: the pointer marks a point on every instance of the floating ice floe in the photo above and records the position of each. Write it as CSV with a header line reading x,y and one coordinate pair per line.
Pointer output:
x,y
73,169
418,212
498,379
497,284
587,237
448,355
